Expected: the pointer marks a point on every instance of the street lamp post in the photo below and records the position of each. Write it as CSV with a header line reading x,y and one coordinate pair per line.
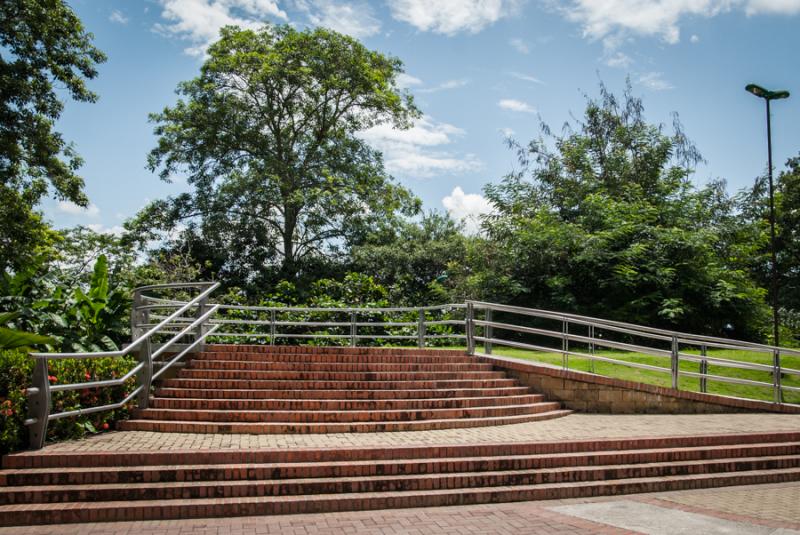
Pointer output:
x,y
770,96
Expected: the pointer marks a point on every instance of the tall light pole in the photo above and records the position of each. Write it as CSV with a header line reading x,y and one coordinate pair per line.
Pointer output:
x,y
769,96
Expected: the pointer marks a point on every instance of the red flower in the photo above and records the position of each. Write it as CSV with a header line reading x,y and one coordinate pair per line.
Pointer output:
x,y
52,378
87,376
105,426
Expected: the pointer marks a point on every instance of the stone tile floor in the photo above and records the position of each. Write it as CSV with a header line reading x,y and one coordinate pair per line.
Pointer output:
x,y
571,427
761,509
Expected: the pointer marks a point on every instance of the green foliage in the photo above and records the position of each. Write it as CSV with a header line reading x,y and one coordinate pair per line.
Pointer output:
x,y
15,339
606,223
46,51
16,370
281,180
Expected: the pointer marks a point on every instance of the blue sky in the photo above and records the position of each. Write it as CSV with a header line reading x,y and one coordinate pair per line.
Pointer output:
x,y
479,70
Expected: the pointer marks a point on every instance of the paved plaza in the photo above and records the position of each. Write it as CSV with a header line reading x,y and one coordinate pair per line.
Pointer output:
x,y
760,510
572,427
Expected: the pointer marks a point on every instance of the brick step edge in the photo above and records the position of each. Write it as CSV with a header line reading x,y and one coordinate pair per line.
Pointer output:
x,y
335,417
44,459
265,428
382,483
341,404
379,367
361,395
186,473
72,512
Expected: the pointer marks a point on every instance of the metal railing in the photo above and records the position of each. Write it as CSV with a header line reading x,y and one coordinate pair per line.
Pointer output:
x,y
571,335
175,325
155,318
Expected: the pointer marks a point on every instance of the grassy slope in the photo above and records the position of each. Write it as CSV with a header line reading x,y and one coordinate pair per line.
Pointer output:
x,y
663,379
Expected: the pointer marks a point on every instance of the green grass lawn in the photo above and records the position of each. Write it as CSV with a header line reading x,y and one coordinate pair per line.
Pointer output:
x,y
663,379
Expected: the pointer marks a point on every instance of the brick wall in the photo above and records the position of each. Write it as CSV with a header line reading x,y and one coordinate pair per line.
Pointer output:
x,y
586,392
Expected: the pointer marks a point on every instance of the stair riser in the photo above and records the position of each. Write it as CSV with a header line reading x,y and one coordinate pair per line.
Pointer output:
x,y
337,359
132,511
241,393
337,385
340,405
317,428
258,349
325,377
580,448
222,473
333,366
340,416
384,484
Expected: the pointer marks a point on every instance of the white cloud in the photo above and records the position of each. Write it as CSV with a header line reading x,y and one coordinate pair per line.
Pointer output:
x,y
467,207
611,20
419,151
199,21
118,17
116,230
449,84
406,80
695,39
526,77
73,209
520,45
654,81
352,18
618,60
450,17
516,106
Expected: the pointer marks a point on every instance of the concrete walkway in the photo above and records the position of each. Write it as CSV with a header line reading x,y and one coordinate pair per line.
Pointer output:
x,y
764,509
572,427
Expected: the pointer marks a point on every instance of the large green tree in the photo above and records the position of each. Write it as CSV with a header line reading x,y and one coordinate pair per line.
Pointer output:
x,y
44,53
267,138
604,220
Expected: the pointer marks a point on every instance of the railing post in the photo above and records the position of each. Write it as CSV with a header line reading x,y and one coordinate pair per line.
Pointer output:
x,y
421,329
777,390
565,343
202,328
703,369
591,348
145,377
272,331
38,405
469,327
488,332
138,317
353,328
675,362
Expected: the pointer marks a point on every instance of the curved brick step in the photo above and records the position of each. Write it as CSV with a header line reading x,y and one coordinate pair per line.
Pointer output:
x,y
304,366
381,483
336,358
316,428
317,416
364,394
56,513
278,384
334,376
340,404
330,350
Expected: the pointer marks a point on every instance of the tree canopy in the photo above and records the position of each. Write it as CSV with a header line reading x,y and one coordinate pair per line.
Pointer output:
x,y
44,49
267,137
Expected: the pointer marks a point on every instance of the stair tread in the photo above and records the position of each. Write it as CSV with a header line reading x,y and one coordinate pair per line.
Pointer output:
x,y
391,411
150,504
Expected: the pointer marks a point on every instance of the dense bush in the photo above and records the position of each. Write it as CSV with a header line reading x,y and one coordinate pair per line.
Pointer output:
x,y
16,371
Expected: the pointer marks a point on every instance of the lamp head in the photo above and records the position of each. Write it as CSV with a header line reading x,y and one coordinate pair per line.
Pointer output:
x,y
759,91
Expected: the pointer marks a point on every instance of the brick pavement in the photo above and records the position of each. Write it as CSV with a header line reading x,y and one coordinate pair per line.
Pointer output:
x,y
572,427
773,506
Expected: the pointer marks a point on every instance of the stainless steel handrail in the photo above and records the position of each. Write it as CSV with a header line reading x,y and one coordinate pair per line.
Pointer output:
x,y
639,333
39,402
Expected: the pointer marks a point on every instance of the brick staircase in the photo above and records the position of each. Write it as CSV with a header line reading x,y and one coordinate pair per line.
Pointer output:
x,y
51,488
265,390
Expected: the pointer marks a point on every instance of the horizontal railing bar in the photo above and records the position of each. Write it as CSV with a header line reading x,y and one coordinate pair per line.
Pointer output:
x,y
639,329
176,358
183,333
97,384
175,285
338,309
445,322
725,379
726,363
92,410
